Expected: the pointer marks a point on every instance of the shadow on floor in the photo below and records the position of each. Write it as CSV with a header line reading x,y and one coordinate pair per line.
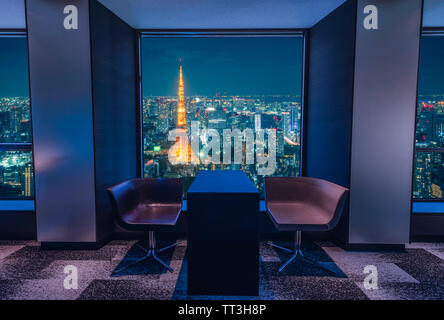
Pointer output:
x,y
302,268
148,266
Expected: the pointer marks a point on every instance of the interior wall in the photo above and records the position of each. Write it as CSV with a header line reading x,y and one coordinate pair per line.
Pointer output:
x,y
329,96
427,225
62,122
360,121
114,98
20,225
385,94
328,118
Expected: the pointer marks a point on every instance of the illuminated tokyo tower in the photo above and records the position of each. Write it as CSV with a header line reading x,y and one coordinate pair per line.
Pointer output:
x,y
181,151
181,119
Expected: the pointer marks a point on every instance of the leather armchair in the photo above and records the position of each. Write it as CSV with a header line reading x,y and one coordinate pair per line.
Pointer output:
x,y
303,204
148,205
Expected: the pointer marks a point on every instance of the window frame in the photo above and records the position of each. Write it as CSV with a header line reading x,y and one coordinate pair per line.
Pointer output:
x,y
28,146
183,33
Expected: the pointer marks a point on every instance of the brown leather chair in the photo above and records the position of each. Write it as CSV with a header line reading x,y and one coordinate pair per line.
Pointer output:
x,y
303,204
148,205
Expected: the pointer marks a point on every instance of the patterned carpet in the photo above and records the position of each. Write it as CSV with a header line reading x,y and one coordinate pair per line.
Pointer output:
x,y
27,272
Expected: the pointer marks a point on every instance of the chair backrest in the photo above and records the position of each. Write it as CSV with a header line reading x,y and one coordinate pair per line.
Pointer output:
x,y
159,190
328,198
126,196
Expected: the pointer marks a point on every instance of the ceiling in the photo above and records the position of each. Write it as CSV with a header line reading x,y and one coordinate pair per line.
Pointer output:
x,y
12,14
221,13
433,15
158,14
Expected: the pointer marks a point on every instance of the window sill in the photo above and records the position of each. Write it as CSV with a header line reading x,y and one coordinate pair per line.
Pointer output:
x,y
428,207
17,205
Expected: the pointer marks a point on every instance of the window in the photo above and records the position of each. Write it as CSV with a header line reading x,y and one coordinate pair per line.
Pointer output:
x,y
16,166
429,155
221,102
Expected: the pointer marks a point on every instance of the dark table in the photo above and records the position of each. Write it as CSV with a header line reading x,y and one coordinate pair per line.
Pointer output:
x,y
223,236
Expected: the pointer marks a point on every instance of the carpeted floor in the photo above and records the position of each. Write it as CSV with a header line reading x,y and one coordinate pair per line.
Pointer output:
x,y
27,272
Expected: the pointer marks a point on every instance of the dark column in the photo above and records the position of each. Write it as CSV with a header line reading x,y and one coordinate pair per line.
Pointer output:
x,y
385,93
360,120
115,107
61,100
330,100
83,113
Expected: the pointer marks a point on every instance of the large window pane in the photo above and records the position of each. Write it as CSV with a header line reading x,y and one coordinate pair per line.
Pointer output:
x,y
15,114
16,169
230,85
429,174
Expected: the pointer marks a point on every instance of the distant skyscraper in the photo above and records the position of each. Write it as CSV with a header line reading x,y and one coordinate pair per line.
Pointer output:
x,y
28,181
257,122
217,119
153,109
294,118
280,143
286,122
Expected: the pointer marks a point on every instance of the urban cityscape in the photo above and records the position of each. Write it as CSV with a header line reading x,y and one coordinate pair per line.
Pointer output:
x,y
16,170
282,113
429,160
220,110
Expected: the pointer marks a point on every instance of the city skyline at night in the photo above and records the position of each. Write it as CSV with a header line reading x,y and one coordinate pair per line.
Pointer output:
x,y
229,83
16,167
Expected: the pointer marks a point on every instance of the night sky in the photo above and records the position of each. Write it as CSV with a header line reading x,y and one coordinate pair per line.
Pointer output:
x,y
13,67
431,74
234,66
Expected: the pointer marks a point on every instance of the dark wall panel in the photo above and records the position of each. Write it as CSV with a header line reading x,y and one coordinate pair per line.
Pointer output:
x,y
114,102
385,93
328,118
18,225
427,225
62,121
329,96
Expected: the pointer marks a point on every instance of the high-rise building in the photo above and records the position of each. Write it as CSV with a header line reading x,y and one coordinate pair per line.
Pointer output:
x,y
153,109
257,122
217,119
286,122
28,181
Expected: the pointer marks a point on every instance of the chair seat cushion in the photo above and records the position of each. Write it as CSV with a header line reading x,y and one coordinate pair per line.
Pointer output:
x,y
293,216
153,214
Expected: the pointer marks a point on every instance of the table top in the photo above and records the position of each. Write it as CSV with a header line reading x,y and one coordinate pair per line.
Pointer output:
x,y
222,181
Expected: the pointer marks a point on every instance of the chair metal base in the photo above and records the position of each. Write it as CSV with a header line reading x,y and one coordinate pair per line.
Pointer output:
x,y
297,251
151,251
